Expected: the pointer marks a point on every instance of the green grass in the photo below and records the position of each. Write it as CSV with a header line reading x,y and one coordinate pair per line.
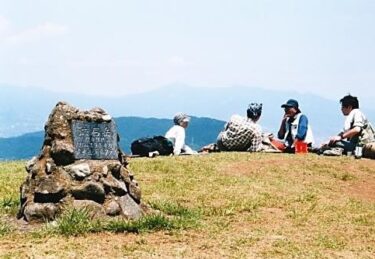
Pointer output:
x,y
153,222
75,222
220,205
12,175
4,228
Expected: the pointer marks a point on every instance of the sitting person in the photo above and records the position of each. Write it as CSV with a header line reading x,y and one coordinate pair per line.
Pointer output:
x,y
357,129
294,127
242,134
176,135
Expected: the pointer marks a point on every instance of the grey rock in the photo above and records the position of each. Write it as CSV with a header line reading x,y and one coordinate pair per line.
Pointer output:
x,y
112,208
105,171
30,164
115,169
40,212
94,209
112,185
50,166
107,117
62,152
135,191
130,209
50,189
79,171
89,191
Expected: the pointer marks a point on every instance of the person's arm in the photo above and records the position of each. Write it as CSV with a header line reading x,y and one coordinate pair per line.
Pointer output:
x,y
347,134
282,130
353,127
179,142
302,128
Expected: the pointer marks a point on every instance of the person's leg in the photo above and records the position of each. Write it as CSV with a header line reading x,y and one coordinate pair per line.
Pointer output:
x,y
188,150
348,146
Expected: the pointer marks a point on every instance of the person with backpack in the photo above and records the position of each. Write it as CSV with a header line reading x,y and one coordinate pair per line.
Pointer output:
x,y
176,134
242,134
357,129
294,127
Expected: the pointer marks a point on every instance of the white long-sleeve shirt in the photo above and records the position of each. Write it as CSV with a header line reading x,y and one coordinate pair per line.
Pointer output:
x,y
177,135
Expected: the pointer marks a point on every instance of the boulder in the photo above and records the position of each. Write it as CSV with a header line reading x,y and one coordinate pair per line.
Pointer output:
x,y
80,165
39,212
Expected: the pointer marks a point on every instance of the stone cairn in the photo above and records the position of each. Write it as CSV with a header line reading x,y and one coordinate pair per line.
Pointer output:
x,y
80,166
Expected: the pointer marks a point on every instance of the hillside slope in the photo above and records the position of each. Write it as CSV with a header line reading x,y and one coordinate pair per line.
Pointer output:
x,y
237,205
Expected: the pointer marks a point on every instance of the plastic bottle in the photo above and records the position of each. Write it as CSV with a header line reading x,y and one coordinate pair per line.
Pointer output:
x,y
358,151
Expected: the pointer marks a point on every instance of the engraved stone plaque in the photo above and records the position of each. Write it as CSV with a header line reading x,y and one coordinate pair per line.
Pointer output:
x,y
93,140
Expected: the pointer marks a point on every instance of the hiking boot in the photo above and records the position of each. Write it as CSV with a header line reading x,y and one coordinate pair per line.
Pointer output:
x,y
336,151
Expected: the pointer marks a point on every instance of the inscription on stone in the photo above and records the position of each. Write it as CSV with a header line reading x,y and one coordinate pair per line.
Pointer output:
x,y
93,140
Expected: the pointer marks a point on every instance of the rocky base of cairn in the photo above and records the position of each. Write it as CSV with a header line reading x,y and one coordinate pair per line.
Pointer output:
x,y
57,181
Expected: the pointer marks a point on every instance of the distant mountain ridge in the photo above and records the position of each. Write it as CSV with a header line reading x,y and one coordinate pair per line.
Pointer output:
x,y
24,110
200,132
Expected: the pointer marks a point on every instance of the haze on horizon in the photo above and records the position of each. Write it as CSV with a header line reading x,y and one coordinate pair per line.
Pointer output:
x,y
121,47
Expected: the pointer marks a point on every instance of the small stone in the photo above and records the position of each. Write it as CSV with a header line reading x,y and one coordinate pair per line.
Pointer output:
x,y
129,208
112,208
112,185
105,171
79,171
107,117
135,191
30,164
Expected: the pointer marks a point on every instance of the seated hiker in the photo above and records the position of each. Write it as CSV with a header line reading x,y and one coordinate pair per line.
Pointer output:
x,y
176,135
294,127
357,129
242,134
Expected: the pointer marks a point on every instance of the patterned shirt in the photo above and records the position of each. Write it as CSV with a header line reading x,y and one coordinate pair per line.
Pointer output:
x,y
242,134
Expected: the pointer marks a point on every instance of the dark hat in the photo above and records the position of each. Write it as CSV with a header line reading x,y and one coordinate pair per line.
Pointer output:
x,y
254,110
290,103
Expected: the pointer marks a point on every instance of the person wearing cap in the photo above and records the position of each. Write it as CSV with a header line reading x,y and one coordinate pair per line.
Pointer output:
x,y
176,134
242,134
294,126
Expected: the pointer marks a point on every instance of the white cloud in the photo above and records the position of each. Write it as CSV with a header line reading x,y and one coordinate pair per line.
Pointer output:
x,y
4,25
178,61
104,63
42,31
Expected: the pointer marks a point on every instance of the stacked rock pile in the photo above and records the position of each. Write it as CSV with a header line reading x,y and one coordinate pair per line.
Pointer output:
x,y
79,166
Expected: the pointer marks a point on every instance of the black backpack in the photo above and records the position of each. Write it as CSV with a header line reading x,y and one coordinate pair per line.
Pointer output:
x,y
144,146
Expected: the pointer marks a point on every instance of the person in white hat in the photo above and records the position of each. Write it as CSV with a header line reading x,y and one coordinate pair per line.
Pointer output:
x,y
176,134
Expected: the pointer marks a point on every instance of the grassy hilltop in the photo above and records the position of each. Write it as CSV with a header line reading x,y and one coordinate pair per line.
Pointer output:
x,y
218,205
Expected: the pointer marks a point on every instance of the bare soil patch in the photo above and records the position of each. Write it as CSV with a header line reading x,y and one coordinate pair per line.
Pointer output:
x,y
363,189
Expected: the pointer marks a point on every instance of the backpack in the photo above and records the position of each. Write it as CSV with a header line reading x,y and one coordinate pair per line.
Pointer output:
x,y
144,146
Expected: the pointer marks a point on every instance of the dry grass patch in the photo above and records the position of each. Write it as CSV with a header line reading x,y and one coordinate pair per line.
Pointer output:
x,y
233,205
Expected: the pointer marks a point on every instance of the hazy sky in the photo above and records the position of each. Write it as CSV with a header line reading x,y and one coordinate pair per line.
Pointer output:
x,y
326,47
